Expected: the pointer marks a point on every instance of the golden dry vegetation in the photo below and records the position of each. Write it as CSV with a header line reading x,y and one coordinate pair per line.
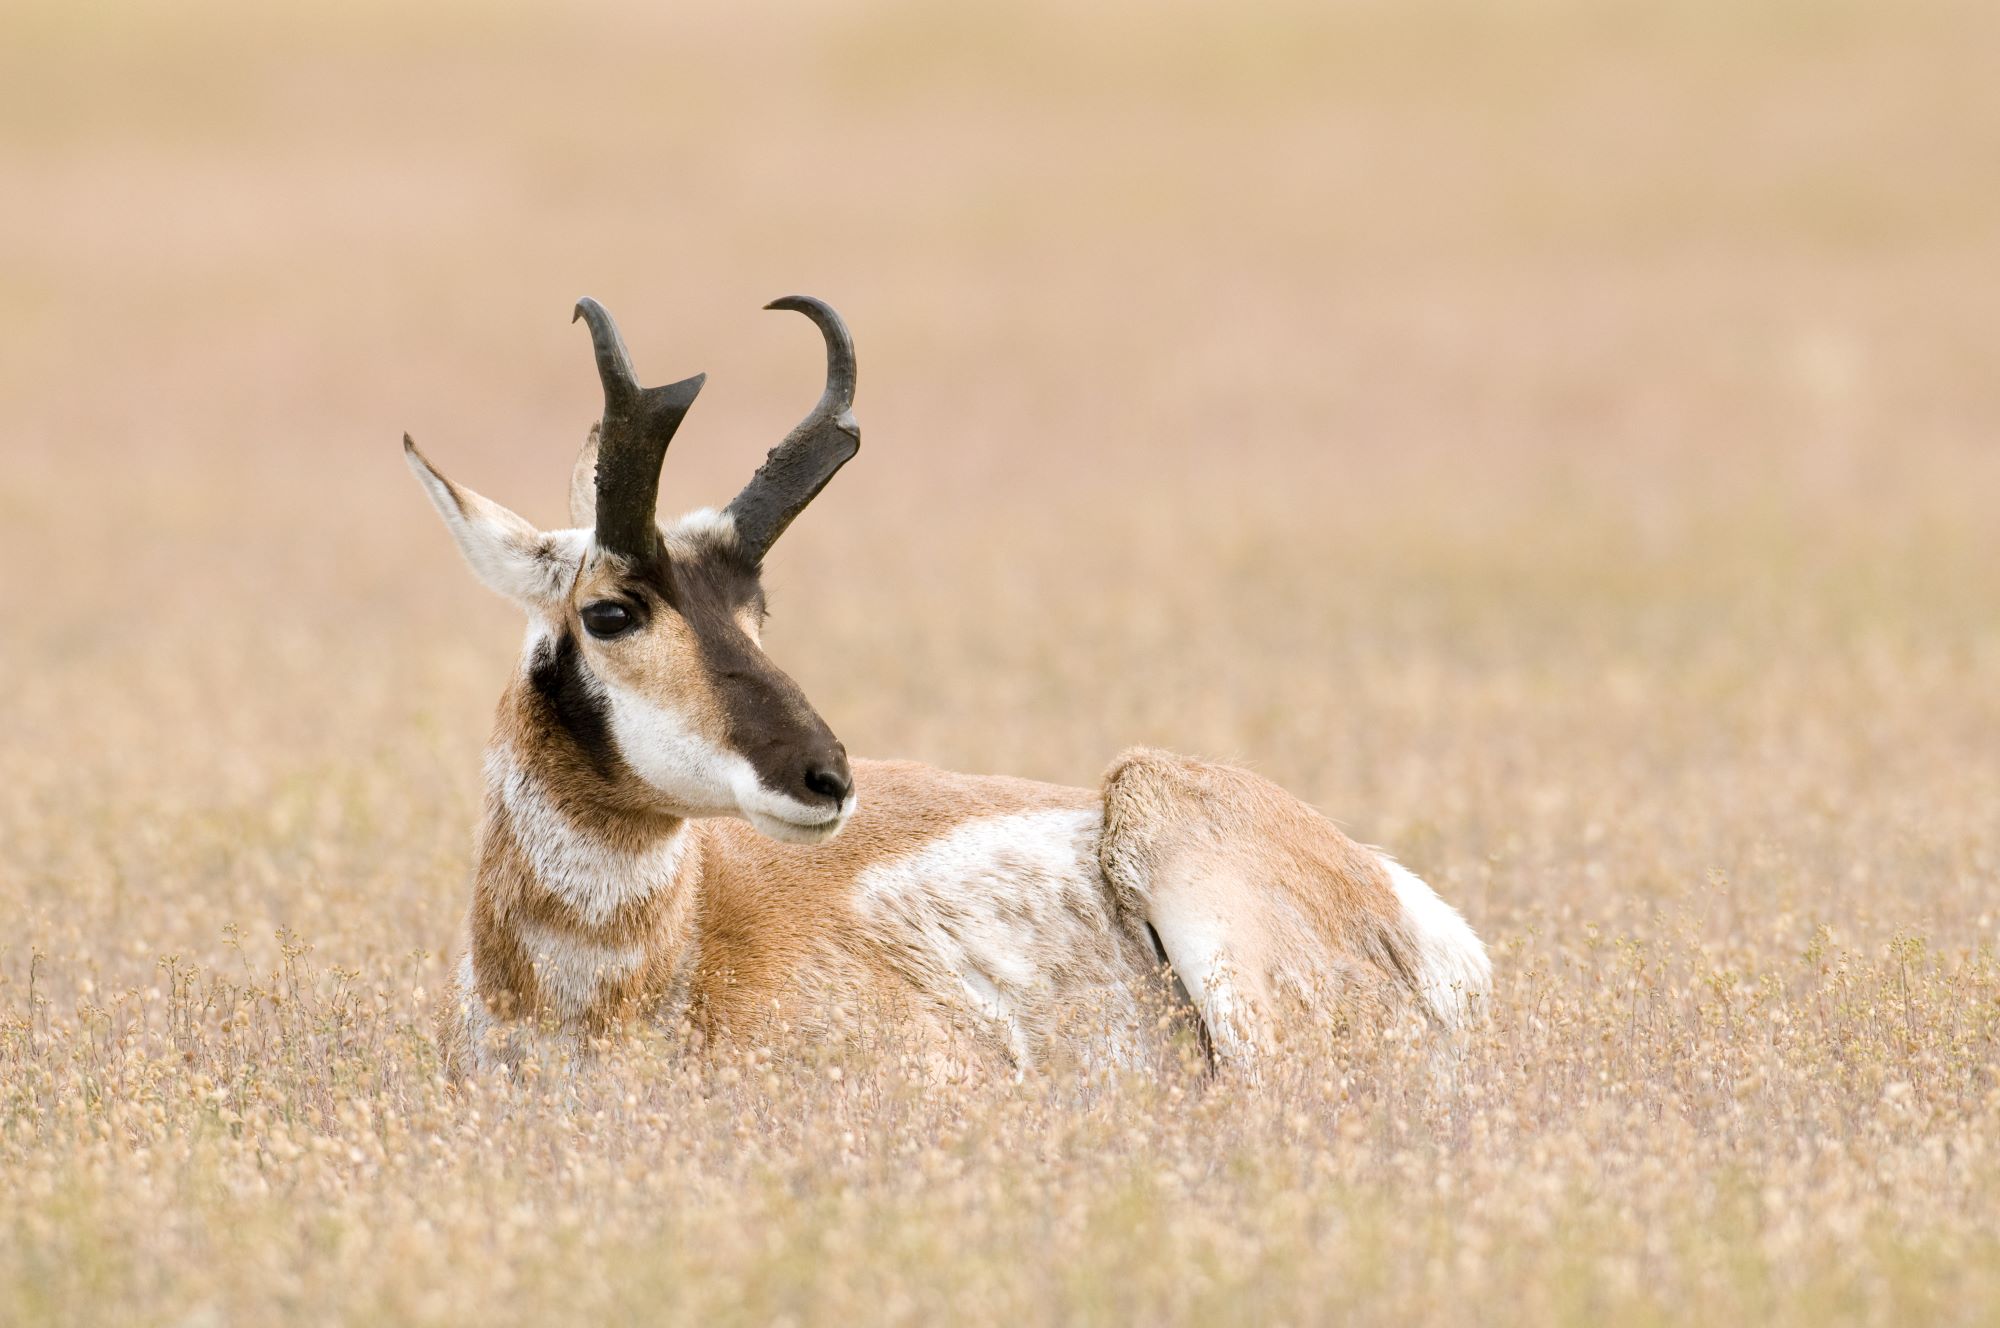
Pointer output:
x,y
1560,440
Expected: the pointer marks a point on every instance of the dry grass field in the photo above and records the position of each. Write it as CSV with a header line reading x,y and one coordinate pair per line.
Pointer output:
x,y
1559,440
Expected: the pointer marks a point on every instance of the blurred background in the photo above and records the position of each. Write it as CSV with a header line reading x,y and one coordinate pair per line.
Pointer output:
x,y
1558,439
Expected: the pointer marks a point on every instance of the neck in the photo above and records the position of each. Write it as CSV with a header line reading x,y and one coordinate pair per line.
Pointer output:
x,y
598,863
579,911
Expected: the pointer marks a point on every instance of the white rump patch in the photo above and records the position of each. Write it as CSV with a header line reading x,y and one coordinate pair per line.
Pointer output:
x,y
1452,967
581,870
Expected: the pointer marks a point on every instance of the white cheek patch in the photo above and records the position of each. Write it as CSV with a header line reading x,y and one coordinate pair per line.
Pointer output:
x,y
665,749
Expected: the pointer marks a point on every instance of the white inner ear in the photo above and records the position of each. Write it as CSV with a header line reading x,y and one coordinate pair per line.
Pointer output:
x,y
534,568
583,484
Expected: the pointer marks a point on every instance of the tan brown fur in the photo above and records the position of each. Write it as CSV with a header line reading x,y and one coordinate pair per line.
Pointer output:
x,y
663,663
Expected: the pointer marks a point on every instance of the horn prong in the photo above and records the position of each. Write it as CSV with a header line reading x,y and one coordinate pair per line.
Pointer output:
x,y
638,424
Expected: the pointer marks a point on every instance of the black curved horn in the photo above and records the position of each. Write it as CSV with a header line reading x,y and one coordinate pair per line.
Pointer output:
x,y
639,422
827,439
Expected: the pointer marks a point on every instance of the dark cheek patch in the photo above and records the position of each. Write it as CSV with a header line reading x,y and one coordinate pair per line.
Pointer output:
x,y
573,708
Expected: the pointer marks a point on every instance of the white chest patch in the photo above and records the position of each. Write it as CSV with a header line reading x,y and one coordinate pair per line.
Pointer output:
x,y
588,875
1005,916
571,970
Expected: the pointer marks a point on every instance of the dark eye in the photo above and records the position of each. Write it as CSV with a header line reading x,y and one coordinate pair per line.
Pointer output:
x,y
606,619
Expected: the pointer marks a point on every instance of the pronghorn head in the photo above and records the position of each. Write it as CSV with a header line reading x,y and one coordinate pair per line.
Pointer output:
x,y
644,673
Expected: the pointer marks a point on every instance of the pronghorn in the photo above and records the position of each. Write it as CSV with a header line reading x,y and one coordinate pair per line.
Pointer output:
x,y
662,805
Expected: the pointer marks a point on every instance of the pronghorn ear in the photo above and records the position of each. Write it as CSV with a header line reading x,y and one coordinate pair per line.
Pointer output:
x,y
509,556
583,484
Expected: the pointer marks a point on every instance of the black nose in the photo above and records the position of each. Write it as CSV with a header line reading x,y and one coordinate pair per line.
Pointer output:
x,y
831,782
